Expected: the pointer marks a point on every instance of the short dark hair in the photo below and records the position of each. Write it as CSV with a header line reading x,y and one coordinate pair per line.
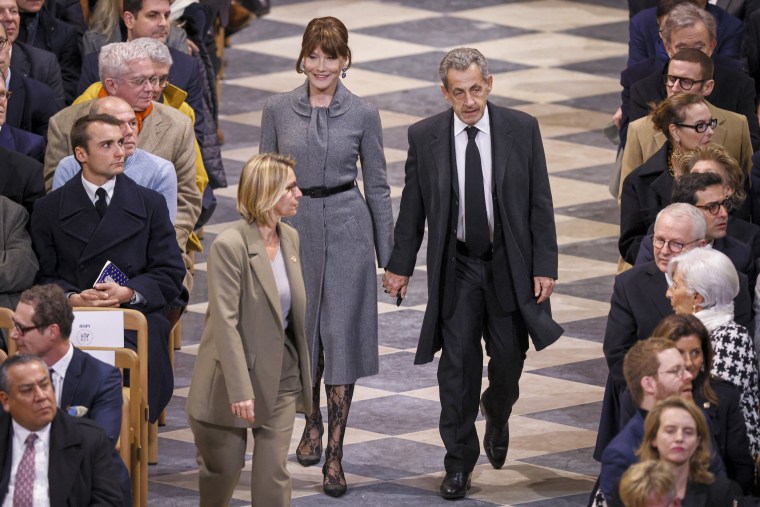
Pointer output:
x,y
80,135
12,361
691,55
685,188
135,6
51,306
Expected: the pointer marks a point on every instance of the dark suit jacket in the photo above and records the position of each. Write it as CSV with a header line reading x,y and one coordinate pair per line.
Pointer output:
x,y
644,36
40,65
733,91
20,178
646,191
81,469
524,208
31,105
63,41
184,73
620,454
72,244
96,385
23,142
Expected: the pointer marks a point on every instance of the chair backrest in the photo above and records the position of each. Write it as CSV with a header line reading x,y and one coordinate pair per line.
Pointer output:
x,y
136,436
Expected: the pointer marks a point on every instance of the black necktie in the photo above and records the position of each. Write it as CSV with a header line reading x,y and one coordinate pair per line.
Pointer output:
x,y
475,217
100,204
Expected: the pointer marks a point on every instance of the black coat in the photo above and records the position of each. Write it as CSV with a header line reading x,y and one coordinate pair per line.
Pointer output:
x,y
31,105
20,178
38,64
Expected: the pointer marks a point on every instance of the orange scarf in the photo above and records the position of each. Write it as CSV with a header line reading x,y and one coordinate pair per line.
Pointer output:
x,y
141,115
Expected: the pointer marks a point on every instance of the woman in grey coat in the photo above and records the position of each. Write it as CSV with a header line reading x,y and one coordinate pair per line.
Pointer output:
x,y
327,130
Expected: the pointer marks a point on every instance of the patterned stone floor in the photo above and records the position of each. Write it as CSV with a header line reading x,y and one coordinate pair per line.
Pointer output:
x,y
556,59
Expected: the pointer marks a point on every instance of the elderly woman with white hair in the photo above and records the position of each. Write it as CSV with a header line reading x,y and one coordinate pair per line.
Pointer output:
x,y
705,283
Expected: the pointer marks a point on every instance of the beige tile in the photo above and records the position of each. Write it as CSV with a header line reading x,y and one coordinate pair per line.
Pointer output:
x,y
391,119
530,85
361,82
230,191
198,307
251,118
566,350
572,192
558,120
572,268
354,14
533,437
241,154
546,15
543,50
182,391
575,230
570,308
391,307
217,228
566,156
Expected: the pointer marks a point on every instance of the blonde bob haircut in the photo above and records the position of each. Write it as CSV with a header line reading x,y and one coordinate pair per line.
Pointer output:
x,y
262,183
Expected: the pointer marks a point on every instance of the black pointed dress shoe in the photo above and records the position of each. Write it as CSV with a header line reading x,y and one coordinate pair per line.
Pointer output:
x,y
496,440
455,485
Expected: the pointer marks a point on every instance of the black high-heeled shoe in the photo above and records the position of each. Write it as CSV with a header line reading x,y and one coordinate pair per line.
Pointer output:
x,y
333,485
315,450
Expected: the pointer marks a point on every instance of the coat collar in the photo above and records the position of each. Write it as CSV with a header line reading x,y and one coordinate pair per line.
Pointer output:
x,y
341,101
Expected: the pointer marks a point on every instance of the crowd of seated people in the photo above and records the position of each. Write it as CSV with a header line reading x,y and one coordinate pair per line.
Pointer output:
x,y
680,418
109,151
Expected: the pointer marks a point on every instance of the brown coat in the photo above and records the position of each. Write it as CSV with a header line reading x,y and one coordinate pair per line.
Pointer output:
x,y
240,355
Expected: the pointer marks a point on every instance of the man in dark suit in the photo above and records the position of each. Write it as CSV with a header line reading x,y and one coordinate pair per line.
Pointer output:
x,y
18,265
79,379
492,261
33,102
150,18
40,29
20,178
74,452
13,139
102,215
28,60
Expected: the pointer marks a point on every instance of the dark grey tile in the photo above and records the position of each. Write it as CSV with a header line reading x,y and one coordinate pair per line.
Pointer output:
x,y
421,102
606,103
587,329
600,174
398,373
615,4
449,6
235,99
592,371
579,461
265,29
172,496
607,67
174,457
241,63
394,415
379,459
613,32
239,135
400,330
604,249
444,31
396,138
395,176
564,501
598,289
601,211
594,137
584,416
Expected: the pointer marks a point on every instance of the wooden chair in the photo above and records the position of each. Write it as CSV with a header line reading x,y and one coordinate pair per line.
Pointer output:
x,y
133,440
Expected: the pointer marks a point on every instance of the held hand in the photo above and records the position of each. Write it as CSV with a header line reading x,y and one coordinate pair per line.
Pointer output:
x,y
93,297
618,117
115,291
543,286
395,284
243,410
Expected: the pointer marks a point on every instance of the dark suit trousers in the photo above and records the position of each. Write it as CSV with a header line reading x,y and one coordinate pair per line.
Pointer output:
x,y
476,313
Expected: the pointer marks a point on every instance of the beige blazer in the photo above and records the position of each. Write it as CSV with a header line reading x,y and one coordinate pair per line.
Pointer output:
x,y
643,141
166,133
240,354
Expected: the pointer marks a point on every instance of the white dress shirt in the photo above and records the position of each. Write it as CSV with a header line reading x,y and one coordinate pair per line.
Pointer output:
x,y
58,375
91,188
483,140
41,464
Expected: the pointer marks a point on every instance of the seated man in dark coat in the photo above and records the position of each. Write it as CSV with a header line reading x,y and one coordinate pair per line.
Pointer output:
x,y
27,60
40,29
64,460
21,141
101,216
20,178
18,265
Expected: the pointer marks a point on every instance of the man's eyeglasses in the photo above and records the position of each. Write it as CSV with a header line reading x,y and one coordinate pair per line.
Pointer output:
x,y
4,43
701,126
678,371
140,82
714,207
22,330
686,83
6,95
163,81
675,246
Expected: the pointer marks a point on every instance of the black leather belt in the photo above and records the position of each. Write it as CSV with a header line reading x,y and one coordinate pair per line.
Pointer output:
x,y
320,192
463,250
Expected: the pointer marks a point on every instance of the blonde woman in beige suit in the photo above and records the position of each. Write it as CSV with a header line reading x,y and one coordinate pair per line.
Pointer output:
x,y
252,369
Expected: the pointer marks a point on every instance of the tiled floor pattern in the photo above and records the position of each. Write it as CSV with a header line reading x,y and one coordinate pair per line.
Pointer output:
x,y
555,59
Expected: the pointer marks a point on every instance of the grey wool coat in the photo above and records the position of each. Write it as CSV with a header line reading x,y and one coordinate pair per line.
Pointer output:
x,y
340,234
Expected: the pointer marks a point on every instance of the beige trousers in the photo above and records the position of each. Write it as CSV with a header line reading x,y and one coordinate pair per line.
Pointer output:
x,y
221,453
